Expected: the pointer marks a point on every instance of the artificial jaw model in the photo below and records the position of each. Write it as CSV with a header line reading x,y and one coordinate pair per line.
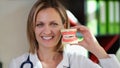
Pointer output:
x,y
69,36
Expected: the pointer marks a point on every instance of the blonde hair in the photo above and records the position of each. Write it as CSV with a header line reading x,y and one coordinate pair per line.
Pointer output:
x,y
38,6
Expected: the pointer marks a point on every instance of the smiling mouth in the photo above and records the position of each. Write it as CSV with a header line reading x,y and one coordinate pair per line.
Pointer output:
x,y
47,37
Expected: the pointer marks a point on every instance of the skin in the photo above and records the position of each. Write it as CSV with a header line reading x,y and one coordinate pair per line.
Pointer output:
x,y
47,32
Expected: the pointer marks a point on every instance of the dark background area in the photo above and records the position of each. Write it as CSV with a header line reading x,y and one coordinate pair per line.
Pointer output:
x,y
77,8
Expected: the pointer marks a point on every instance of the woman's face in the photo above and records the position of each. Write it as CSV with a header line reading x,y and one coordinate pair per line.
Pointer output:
x,y
47,28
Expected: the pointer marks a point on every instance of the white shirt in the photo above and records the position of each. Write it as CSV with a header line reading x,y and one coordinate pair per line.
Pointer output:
x,y
70,60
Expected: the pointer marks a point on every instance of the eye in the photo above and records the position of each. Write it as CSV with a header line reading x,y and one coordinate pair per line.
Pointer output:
x,y
39,24
54,24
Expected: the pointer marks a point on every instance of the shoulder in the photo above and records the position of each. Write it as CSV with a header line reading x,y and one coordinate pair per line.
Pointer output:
x,y
75,50
75,56
21,58
16,62
78,60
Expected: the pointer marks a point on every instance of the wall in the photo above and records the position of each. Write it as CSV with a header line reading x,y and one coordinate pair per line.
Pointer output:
x,y
13,40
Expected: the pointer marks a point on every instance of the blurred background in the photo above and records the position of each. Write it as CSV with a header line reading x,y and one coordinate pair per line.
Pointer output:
x,y
100,16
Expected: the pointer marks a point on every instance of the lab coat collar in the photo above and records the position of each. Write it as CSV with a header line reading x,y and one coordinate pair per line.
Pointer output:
x,y
65,63
66,60
36,62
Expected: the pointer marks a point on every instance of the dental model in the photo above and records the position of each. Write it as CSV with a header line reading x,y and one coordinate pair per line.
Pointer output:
x,y
69,36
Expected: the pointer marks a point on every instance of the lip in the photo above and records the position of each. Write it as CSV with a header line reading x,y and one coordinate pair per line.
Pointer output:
x,y
68,31
69,40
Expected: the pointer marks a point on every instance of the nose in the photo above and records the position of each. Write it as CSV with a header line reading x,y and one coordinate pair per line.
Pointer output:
x,y
47,30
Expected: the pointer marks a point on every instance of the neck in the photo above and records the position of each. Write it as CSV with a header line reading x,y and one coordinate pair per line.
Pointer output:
x,y
47,54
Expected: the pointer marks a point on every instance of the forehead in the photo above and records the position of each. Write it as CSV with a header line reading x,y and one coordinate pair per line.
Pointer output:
x,y
48,13
51,11
48,9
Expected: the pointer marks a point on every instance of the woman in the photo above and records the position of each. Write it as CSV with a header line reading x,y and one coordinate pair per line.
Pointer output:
x,y
46,19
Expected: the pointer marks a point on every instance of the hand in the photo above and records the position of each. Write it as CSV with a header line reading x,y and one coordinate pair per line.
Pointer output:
x,y
90,43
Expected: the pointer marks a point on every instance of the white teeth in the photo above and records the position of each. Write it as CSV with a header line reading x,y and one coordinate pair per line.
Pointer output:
x,y
47,38
68,36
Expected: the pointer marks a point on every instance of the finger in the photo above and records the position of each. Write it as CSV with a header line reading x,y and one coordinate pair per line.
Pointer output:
x,y
83,30
80,27
79,43
74,44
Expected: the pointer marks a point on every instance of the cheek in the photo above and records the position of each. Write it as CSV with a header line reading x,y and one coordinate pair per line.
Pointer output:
x,y
37,31
58,32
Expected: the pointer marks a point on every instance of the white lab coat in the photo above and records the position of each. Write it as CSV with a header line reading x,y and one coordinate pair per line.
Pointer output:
x,y
72,60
